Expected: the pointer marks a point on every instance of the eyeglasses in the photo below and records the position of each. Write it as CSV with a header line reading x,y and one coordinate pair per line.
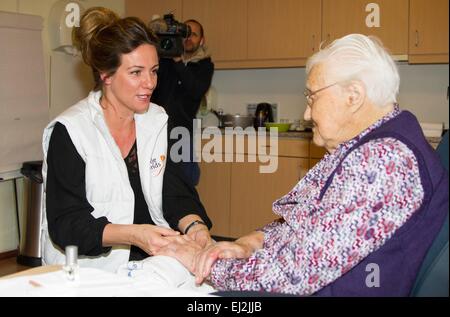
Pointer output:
x,y
309,94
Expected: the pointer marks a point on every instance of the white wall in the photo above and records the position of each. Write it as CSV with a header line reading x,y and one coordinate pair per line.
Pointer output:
x,y
68,81
423,90
70,78
8,220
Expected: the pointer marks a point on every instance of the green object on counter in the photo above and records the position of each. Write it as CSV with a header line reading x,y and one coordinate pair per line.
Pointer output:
x,y
282,127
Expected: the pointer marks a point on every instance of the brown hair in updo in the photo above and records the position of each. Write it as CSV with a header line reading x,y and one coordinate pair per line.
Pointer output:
x,y
103,37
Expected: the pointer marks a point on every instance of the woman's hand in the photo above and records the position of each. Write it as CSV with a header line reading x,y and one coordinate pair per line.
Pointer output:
x,y
184,249
147,237
151,238
200,234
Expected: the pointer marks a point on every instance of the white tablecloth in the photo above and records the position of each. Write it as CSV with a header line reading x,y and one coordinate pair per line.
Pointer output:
x,y
156,276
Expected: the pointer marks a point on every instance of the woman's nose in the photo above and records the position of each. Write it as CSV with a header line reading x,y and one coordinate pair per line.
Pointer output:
x,y
149,82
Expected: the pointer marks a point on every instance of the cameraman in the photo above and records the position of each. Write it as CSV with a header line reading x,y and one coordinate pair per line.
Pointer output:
x,y
182,83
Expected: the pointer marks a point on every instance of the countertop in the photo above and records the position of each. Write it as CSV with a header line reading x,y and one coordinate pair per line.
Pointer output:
x,y
296,134
434,141
289,134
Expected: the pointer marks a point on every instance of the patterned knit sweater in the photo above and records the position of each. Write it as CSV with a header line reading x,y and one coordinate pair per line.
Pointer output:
x,y
374,191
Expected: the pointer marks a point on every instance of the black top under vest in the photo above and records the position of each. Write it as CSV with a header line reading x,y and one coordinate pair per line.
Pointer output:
x,y
69,217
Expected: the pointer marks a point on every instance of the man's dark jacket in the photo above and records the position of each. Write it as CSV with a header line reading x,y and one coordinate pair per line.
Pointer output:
x,y
181,88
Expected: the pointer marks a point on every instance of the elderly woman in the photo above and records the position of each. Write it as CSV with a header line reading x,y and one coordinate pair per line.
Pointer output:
x,y
361,221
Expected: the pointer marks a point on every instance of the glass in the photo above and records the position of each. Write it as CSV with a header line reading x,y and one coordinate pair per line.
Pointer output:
x,y
71,267
309,94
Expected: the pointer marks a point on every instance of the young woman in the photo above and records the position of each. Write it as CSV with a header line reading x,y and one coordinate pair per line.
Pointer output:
x,y
110,186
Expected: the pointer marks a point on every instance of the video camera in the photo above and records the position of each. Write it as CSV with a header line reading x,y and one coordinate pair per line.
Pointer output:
x,y
170,34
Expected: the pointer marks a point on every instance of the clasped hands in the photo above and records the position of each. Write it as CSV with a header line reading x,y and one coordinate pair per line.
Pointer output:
x,y
195,250
199,258
151,238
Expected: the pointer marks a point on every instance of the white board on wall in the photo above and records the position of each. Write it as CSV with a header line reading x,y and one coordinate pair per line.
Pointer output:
x,y
24,111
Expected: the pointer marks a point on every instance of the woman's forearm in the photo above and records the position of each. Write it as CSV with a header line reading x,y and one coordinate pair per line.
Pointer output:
x,y
114,234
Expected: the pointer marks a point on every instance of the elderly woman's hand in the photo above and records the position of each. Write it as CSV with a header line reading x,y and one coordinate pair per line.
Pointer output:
x,y
221,250
240,249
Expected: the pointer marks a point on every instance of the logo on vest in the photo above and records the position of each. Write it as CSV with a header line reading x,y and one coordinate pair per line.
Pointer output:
x,y
157,165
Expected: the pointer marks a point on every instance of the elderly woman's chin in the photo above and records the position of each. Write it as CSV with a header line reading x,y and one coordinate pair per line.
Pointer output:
x,y
317,138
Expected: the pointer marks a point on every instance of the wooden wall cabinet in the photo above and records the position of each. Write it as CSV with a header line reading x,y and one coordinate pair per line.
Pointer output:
x,y
225,24
258,33
316,153
283,29
428,31
247,33
284,33
238,198
145,9
341,17
253,193
214,189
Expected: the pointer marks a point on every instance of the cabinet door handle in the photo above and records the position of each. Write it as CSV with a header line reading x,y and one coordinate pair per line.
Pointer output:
x,y
417,39
314,43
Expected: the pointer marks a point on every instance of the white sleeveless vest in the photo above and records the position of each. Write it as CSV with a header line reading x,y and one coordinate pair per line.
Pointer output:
x,y
108,189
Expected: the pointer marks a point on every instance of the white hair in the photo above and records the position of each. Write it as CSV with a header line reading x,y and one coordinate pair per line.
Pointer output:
x,y
362,58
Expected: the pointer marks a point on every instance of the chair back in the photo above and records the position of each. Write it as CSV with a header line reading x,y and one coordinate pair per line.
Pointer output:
x,y
432,279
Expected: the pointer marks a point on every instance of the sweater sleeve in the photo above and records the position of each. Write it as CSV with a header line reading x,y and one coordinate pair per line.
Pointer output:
x,y
69,217
374,192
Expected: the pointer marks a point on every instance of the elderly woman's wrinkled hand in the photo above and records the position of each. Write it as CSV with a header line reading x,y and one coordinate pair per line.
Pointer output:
x,y
221,250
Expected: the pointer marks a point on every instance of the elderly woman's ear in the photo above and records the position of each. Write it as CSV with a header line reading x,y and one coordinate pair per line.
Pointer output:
x,y
356,95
